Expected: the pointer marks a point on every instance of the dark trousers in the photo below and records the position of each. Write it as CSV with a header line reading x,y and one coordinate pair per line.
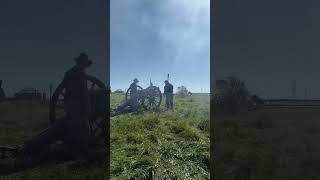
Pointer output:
x,y
169,100
76,131
134,103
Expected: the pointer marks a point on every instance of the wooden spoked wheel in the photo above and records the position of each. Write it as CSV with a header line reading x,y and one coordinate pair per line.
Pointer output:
x,y
98,103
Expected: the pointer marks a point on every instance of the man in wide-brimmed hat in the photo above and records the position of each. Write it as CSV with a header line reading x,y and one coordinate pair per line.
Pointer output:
x,y
134,95
83,60
76,106
73,129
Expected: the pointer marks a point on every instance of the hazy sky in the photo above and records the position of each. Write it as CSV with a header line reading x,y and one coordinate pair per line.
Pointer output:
x,y
39,39
270,43
266,43
152,38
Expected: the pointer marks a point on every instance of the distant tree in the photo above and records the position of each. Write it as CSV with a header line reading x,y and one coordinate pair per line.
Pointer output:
x,y
118,91
182,91
233,96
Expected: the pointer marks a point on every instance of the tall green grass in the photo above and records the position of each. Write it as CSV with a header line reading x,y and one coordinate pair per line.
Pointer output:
x,y
162,145
20,121
269,144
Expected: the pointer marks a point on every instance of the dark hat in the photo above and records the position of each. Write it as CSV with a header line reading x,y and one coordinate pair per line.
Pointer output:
x,y
135,80
166,81
83,59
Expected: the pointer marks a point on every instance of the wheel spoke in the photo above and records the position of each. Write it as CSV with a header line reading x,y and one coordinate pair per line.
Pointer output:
x,y
58,101
92,86
63,92
93,131
91,127
101,123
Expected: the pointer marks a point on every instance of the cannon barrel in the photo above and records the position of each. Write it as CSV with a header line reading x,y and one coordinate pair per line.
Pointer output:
x,y
6,150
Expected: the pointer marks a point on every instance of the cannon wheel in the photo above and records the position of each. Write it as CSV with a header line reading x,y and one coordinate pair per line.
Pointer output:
x,y
140,95
153,98
97,122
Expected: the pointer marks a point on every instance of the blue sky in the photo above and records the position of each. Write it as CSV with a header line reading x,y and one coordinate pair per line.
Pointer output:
x,y
150,39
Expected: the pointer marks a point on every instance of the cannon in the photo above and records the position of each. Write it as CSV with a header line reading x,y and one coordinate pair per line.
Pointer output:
x,y
148,99
98,112
98,106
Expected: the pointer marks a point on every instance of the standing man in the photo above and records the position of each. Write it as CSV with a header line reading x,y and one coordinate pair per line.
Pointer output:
x,y
2,94
168,92
73,129
76,129
134,95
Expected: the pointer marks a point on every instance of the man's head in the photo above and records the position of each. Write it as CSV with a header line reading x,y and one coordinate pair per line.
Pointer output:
x,y
166,82
83,61
135,80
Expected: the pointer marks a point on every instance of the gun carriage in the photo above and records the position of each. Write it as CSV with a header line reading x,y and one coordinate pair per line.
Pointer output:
x,y
148,99
98,111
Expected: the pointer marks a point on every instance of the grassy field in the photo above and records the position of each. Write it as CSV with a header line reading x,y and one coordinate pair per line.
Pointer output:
x,y
20,121
269,144
163,145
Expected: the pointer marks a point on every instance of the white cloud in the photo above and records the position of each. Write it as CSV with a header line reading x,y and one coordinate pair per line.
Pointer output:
x,y
185,30
150,34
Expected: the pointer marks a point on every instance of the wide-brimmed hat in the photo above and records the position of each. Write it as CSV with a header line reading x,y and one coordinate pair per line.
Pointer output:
x,y
83,59
135,80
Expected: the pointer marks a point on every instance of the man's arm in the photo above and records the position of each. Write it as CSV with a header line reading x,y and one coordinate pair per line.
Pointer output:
x,y
171,88
132,86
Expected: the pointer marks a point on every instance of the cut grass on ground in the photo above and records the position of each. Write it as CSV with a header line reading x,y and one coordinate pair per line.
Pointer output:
x,y
268,144
164,145
21,120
